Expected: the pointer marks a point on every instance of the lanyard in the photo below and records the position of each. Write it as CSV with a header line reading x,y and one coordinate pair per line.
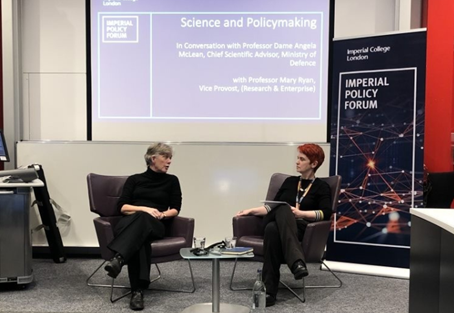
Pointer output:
x,y
305,191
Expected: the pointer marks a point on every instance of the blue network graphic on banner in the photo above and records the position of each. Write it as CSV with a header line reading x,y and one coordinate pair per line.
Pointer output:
x,y
377,136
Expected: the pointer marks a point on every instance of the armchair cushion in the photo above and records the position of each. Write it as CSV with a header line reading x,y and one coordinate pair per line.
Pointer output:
x,y
104,232
181,227
315,239
249,233
167,246
255,242
247,226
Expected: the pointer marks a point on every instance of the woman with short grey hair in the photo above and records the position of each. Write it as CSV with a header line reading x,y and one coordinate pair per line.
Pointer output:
x,y
158,149
148,202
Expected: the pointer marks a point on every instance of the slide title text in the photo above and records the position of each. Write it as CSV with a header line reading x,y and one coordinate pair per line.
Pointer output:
x,y
261,22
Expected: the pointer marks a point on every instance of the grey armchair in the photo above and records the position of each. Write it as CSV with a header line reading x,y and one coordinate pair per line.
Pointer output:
x,y
103,194
249,233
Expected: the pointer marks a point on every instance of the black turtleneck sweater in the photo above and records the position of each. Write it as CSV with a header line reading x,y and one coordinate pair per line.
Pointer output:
x,y
151,189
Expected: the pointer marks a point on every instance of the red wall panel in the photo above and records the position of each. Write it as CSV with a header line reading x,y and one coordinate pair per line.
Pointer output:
x,y
439,85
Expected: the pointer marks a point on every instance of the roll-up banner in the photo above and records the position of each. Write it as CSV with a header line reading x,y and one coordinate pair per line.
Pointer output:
x,y
377,139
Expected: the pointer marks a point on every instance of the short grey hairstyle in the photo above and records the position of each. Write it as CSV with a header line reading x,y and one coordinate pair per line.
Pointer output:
x,y
158,148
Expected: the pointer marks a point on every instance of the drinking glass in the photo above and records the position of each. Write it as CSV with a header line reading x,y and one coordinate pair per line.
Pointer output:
x,y
199,242
230,242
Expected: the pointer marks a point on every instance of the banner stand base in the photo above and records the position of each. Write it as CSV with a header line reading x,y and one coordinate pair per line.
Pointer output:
x,y
365,269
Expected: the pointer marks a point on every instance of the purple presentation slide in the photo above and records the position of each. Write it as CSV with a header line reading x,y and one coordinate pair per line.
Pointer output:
x,y
209,59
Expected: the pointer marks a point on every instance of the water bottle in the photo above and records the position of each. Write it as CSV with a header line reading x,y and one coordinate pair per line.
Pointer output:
x,y
258,294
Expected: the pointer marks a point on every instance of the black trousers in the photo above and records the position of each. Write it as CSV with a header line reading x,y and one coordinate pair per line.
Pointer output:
x,y
133,236
281,244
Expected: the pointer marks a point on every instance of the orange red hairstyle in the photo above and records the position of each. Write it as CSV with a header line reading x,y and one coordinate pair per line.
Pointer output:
x,y
313,152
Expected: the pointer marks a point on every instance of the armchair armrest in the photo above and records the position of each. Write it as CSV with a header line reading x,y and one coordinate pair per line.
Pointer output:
x,y
315,239
181,226
105,234
247,226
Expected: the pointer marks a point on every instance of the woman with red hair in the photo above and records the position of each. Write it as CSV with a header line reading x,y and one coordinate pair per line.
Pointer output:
x,y
309,200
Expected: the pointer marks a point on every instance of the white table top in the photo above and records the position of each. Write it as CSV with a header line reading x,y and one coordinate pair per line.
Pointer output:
x,y
34,183
440,217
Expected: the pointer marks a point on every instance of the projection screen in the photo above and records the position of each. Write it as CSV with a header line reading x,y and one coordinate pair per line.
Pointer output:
x,y
208,70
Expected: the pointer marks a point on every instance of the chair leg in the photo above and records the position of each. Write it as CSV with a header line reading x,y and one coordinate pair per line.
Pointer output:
x,y
303,299
174,290
112,300
231,280
102,285
291,289
112,285
247,288
304,287
328,286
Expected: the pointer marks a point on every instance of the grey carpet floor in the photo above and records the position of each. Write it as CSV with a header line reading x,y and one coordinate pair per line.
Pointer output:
x,y
62,288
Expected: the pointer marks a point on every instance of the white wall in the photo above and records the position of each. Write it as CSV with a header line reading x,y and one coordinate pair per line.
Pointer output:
x,y
45,99
364,17
53,69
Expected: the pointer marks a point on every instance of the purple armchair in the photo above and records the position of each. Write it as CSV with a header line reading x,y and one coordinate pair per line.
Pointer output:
x,y
249,233
103,194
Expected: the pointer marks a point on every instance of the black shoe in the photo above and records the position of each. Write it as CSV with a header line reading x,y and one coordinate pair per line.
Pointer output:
x,y
113,267
270,300
299,270
136,302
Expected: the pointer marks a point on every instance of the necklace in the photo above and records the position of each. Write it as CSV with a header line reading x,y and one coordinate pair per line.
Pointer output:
x,y
304,192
